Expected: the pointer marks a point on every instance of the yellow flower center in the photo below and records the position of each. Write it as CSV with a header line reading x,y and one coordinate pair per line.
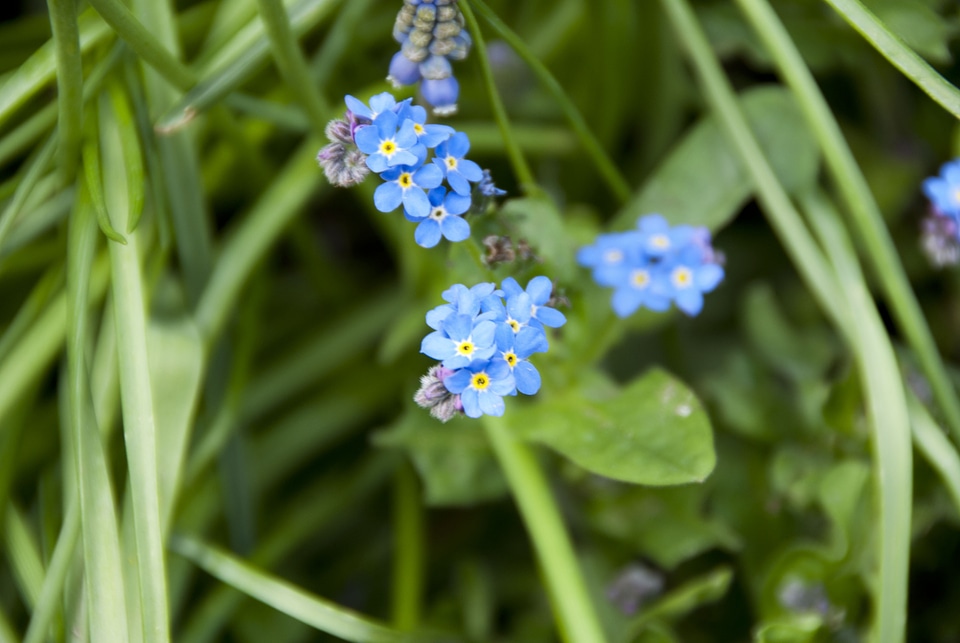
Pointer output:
x,y
451,163
465,348
480,381
682,277
956,195
640,278
510,358
613,256
660,241
387,148
418,128
514,324
405,180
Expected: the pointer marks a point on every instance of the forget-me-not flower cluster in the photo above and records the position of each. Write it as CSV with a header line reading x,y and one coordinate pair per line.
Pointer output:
x,y
483,338
413,159
431,34
654,266
941,230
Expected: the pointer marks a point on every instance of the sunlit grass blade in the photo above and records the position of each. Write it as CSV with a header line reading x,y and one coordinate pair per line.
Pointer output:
x,y
936,448
139,420
98,518
23,553
66,37
899,54
868,222
132,155
887,406
292,65
93,177
605,166
293,601
144,42
41,68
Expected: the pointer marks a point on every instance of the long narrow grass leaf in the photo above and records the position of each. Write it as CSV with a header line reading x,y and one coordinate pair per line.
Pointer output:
x,y
36,168
49,600
103,574
132,155
93,176
139,421
23,552
66,37
898,53
287,598
936,448
47,287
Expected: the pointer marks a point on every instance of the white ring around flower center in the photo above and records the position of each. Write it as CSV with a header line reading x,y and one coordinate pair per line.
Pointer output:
x,y
613,256
640,279
438,214
451,162
682,277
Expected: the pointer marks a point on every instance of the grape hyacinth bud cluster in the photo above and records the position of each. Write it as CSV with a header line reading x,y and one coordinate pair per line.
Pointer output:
x,y
394,141
941,229
484,338
655,265
431,34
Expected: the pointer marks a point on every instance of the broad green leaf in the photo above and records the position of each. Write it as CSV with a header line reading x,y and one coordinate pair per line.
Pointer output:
x,y
704,182
654,431
454,459
540,223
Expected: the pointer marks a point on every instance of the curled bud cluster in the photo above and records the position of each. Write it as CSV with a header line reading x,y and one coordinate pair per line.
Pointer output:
x,y
431,34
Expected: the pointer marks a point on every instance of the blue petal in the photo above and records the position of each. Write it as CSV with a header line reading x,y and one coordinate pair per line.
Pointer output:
x,y
429,176
708,276
367,139
483,333
433,135
459,184
504,337
503,385
471,405
457,381
436,195
386,124
491,404
437,346
539,289
436,316
551,317
387,196
470,170
382,102
530,340
625,301
527,377
455,228
415,202
510,287
456,203
407,136
427,234
458,327
518,307
690,301
358,108
458,145
377,162
402,157
653,223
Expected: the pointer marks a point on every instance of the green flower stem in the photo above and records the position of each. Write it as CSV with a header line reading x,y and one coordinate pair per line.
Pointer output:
x,y
889,418
408,559
66,36
899,54
144,43
935,448
524,175
782,215
605,166
292,64
865,215
572,606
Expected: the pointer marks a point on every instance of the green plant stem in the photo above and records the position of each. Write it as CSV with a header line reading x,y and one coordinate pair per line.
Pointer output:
x,y
865,215
572,606
807,257
144,43
887,405
899,54
524,175
605,166
66,36
293,66
408,558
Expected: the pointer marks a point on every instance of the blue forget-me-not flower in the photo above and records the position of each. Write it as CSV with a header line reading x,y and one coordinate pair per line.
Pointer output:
x,y
940,232
484,345
654,266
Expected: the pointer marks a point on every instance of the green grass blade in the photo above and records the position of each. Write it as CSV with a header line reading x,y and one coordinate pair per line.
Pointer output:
x,y
50,598
41,68
132,155
144,43
93,174
935,447
289,599
139,420
573,608
66,38
605,166
409,557
899,54
520,167
103,574
867,220
49,285
36,168
887,406
292,65
23,552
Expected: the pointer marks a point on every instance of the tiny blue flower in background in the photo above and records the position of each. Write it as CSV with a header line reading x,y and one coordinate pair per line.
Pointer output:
x,y
654,266
443,218
487,188
484,346
944,190
385,145
481,386
458,171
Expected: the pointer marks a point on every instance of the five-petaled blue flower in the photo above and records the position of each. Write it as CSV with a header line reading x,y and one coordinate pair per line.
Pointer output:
x,y
944,190
539,291
443,217
460,341
459,171
481,386
514,348
383,102
406,184
427,135
385,145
